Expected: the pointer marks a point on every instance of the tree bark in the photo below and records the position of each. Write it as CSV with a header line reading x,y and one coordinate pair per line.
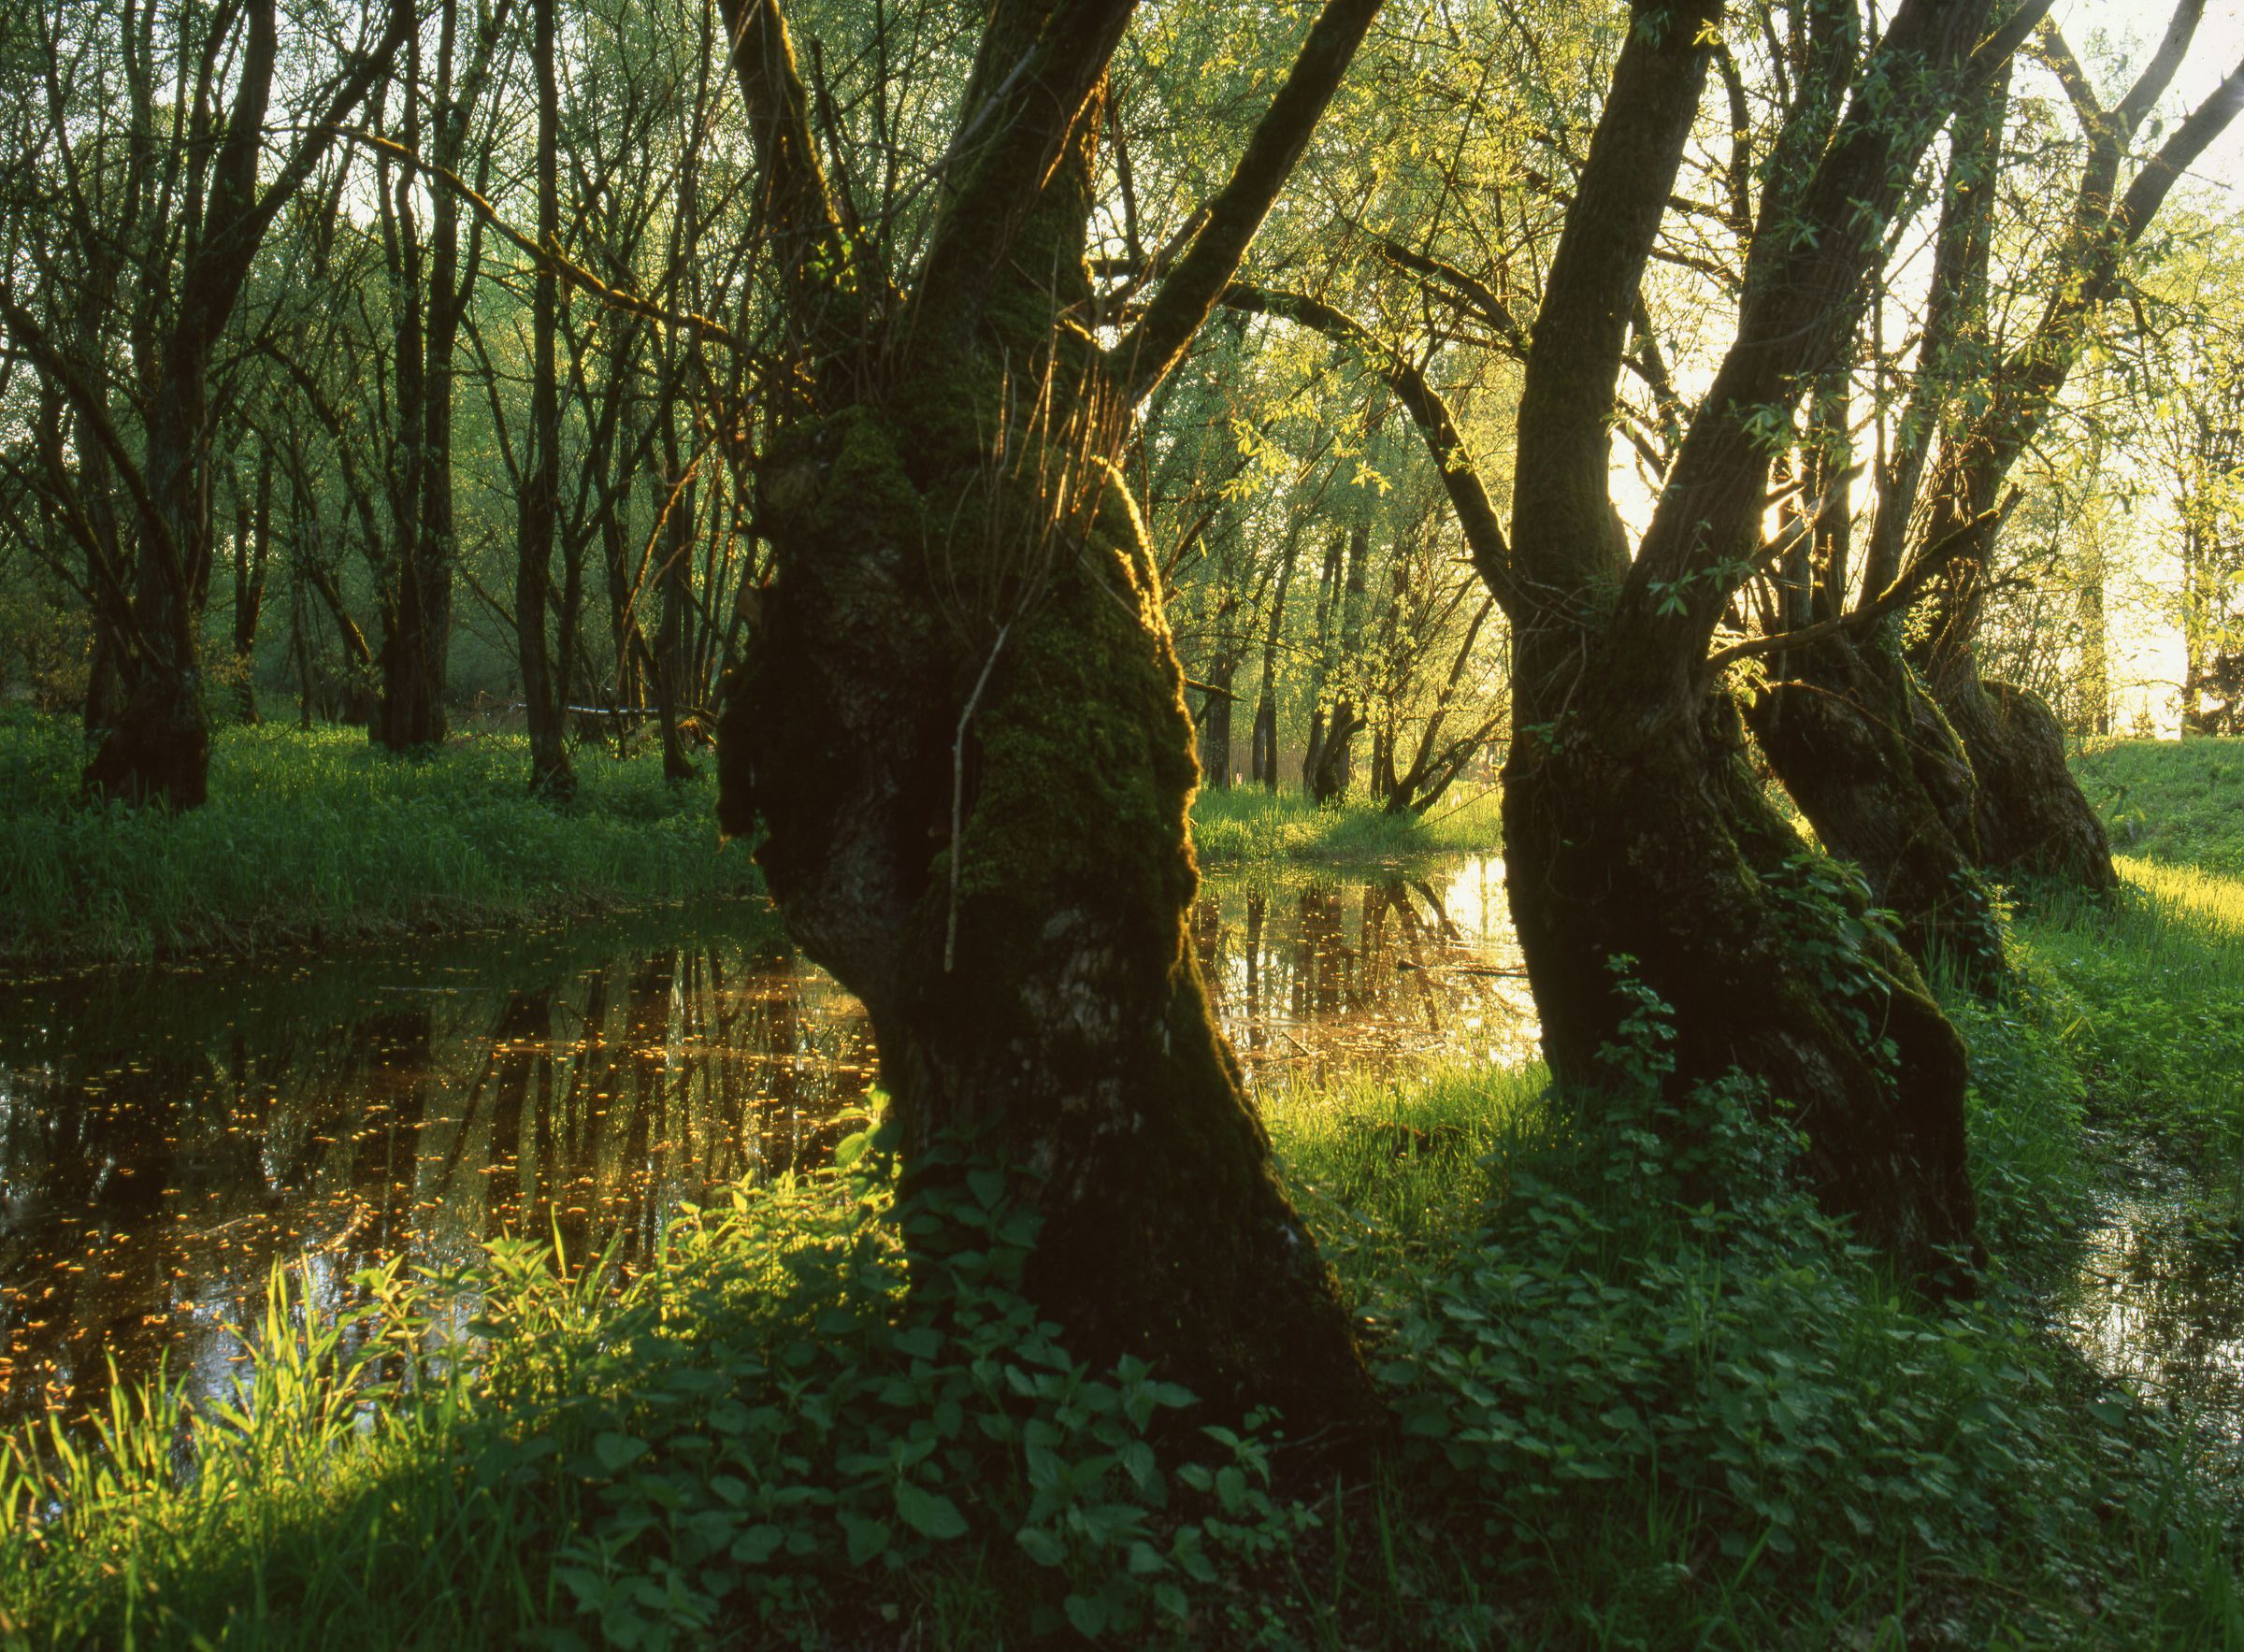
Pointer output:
x,y
960,724
550,771
1880,772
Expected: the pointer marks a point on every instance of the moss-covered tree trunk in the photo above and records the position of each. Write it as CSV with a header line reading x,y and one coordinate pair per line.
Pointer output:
x,y
2033,819
962,726
1878,772
1638,850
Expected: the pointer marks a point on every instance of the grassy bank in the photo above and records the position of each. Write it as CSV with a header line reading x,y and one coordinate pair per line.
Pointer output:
x,y
1245,826
323,836
2178,802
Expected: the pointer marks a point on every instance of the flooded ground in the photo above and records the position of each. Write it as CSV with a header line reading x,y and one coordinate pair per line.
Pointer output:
x,y
166,1136
2158,1300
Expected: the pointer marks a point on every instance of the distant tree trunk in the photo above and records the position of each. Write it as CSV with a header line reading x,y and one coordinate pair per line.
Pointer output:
x,y
550,771
253,555
1216,730
1266,704
676,570
971,755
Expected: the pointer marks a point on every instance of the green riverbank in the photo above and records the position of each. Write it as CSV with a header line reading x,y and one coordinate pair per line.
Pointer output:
x,y
1625,1414
320,837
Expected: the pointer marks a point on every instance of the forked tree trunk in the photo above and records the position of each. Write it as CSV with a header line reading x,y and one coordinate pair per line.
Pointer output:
x,y
1637,847
1881,776
962,723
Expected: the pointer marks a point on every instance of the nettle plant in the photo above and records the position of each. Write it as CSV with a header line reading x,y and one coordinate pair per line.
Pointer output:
x,y
816,1405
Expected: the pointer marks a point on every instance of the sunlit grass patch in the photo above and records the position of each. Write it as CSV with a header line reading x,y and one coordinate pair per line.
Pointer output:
x,y
1394,1171
1245,824
320,835
2152,980
2172,801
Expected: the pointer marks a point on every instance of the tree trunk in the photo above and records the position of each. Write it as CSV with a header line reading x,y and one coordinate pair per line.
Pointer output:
x,y
970,752
1639,843
250,561
550,771
1334,764
670,664
157,745
1215,737
2033,819
1881,776
1036,978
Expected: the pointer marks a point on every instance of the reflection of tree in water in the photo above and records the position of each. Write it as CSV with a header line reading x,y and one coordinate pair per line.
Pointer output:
x,y
160,1151
1357,974
2164,1306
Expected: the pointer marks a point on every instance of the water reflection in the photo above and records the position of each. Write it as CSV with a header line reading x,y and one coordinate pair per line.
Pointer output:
x,y
166,1136
164,1139
1315,978
2159,1301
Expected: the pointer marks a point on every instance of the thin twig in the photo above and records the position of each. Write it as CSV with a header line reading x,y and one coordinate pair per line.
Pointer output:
x,y
950,933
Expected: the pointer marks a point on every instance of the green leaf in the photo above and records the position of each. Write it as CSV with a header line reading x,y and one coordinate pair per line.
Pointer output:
x,y
866,1538
617,1452
1089,1615
928,1512
1041,1546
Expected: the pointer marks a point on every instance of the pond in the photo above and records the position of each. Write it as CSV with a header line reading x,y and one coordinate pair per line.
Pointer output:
x,y
167,1135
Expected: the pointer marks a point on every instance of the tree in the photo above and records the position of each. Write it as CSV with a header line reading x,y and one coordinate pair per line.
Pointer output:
x,y
543,705
188,198
959,724
1643,862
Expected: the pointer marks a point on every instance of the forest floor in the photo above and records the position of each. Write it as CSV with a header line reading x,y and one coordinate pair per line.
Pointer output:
x,y
1626,1413
312,838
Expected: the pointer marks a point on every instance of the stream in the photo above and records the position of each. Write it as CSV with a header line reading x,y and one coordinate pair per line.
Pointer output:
x,y
168,1135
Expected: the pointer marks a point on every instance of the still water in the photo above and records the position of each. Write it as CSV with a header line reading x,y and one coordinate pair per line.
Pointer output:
x,y
166,1136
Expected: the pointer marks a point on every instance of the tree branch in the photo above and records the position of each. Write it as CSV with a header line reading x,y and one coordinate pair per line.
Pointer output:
x,y
1195,283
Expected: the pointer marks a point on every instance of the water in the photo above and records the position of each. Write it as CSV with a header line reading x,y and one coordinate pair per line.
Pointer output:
x,y
2158,1300
166,1136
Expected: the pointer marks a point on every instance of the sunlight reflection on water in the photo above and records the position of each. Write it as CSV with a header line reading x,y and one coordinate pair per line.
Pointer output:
x,y
166,1136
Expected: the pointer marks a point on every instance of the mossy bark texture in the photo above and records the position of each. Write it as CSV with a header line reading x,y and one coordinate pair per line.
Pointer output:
x,y
1029,980
1644,837
2033,819
1884,779
960,726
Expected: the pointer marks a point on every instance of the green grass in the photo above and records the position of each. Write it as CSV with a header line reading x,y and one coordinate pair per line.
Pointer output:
x,y
1245,826
1628,1414
2178,802
323,836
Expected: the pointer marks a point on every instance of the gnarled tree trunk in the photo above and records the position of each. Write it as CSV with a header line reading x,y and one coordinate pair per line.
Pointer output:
x,y
961,725
1880,774
1637,848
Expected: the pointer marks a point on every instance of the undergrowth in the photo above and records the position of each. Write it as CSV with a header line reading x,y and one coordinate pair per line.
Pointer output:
x,y
323,836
